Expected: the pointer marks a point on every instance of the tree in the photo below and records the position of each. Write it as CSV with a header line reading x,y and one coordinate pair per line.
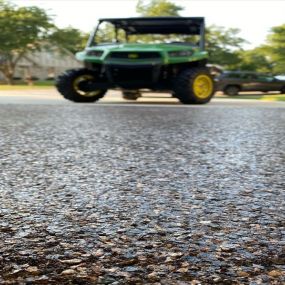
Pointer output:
x,y
255,60
157,8
276,48
223,45
69,38
22,29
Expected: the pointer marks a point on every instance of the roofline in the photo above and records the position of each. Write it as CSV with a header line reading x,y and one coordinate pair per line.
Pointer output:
x,y
198,28
152,18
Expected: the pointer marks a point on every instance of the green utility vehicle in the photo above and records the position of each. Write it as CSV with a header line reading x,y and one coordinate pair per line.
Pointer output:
x,y
157,54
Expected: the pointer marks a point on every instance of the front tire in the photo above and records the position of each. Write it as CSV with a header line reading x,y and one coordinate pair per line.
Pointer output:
x,y
194,86
69,85
282,91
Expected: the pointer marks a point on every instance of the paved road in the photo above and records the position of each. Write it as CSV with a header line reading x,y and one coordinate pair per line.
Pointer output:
x,y
51,97
153,194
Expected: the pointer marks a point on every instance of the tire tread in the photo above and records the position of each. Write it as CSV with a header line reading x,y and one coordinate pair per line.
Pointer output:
x,y
183,86
64,86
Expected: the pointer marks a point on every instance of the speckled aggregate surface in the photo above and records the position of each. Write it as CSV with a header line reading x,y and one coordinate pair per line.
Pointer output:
x,y
94,194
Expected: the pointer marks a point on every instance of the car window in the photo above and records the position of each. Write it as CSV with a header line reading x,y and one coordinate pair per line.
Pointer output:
x,y
265,78
250,76
232,75
247,76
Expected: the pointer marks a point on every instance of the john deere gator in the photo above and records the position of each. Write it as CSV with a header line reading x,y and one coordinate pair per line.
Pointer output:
x,y
157,54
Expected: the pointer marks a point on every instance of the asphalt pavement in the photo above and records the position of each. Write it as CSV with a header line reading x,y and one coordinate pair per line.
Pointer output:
x,y
152,192
49,96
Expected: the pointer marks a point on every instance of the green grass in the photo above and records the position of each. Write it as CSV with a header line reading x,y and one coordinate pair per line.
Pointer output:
x,y
266,97
45,83
25,86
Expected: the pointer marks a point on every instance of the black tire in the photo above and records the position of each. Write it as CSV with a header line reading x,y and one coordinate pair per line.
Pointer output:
x,y
282,91
232,90
70,89
185,90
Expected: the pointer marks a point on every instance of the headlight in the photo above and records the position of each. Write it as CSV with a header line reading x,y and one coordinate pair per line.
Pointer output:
x,y
96,53
180,53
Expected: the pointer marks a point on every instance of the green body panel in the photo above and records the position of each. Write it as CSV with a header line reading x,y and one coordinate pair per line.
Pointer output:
x,y
164,49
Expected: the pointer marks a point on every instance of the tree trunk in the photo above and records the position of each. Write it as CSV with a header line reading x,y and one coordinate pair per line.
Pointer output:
x,y
8,72
8,66
9,79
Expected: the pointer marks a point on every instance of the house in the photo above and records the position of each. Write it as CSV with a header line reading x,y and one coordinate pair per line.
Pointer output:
x,y
46,63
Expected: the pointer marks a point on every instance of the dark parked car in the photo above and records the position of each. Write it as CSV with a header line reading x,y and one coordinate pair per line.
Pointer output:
x,y
232,82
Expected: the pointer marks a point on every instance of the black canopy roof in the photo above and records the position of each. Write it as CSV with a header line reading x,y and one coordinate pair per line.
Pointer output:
x,y
159,25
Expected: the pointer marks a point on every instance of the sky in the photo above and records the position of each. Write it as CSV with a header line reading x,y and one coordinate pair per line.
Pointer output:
x,y
253,17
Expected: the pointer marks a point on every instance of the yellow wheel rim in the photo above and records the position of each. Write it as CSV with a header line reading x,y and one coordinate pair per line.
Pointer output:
x,y
203,86
80,79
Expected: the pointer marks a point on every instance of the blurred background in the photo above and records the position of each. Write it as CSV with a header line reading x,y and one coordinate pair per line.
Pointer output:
x,y
38,39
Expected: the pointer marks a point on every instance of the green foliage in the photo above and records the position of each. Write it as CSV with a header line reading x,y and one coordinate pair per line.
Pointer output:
x,y
270,57
158,8
223,46
255,60
22,29
276,48
70,39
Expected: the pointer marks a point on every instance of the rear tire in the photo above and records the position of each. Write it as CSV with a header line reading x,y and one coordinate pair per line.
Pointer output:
x,y
282,91
194,86
231,90
68,85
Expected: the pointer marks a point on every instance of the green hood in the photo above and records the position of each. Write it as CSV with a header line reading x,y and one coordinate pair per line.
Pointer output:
x,y
163,48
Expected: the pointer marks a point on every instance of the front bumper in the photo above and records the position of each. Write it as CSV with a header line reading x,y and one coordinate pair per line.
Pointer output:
x,y
136,75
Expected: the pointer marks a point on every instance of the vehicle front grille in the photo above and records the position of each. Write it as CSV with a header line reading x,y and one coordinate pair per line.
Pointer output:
x,y
135,55
145,73
125,74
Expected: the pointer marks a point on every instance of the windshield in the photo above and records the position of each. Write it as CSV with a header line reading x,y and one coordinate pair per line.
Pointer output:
x,y
107,33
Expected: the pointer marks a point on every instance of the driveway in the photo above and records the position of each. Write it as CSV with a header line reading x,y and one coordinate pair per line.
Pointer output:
x,y
122,193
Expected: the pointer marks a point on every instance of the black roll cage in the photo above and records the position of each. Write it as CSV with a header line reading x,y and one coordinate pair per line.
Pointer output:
x,y
155,25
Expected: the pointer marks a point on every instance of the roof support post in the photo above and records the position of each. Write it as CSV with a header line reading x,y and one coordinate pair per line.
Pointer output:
x,y
91,40
202,36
